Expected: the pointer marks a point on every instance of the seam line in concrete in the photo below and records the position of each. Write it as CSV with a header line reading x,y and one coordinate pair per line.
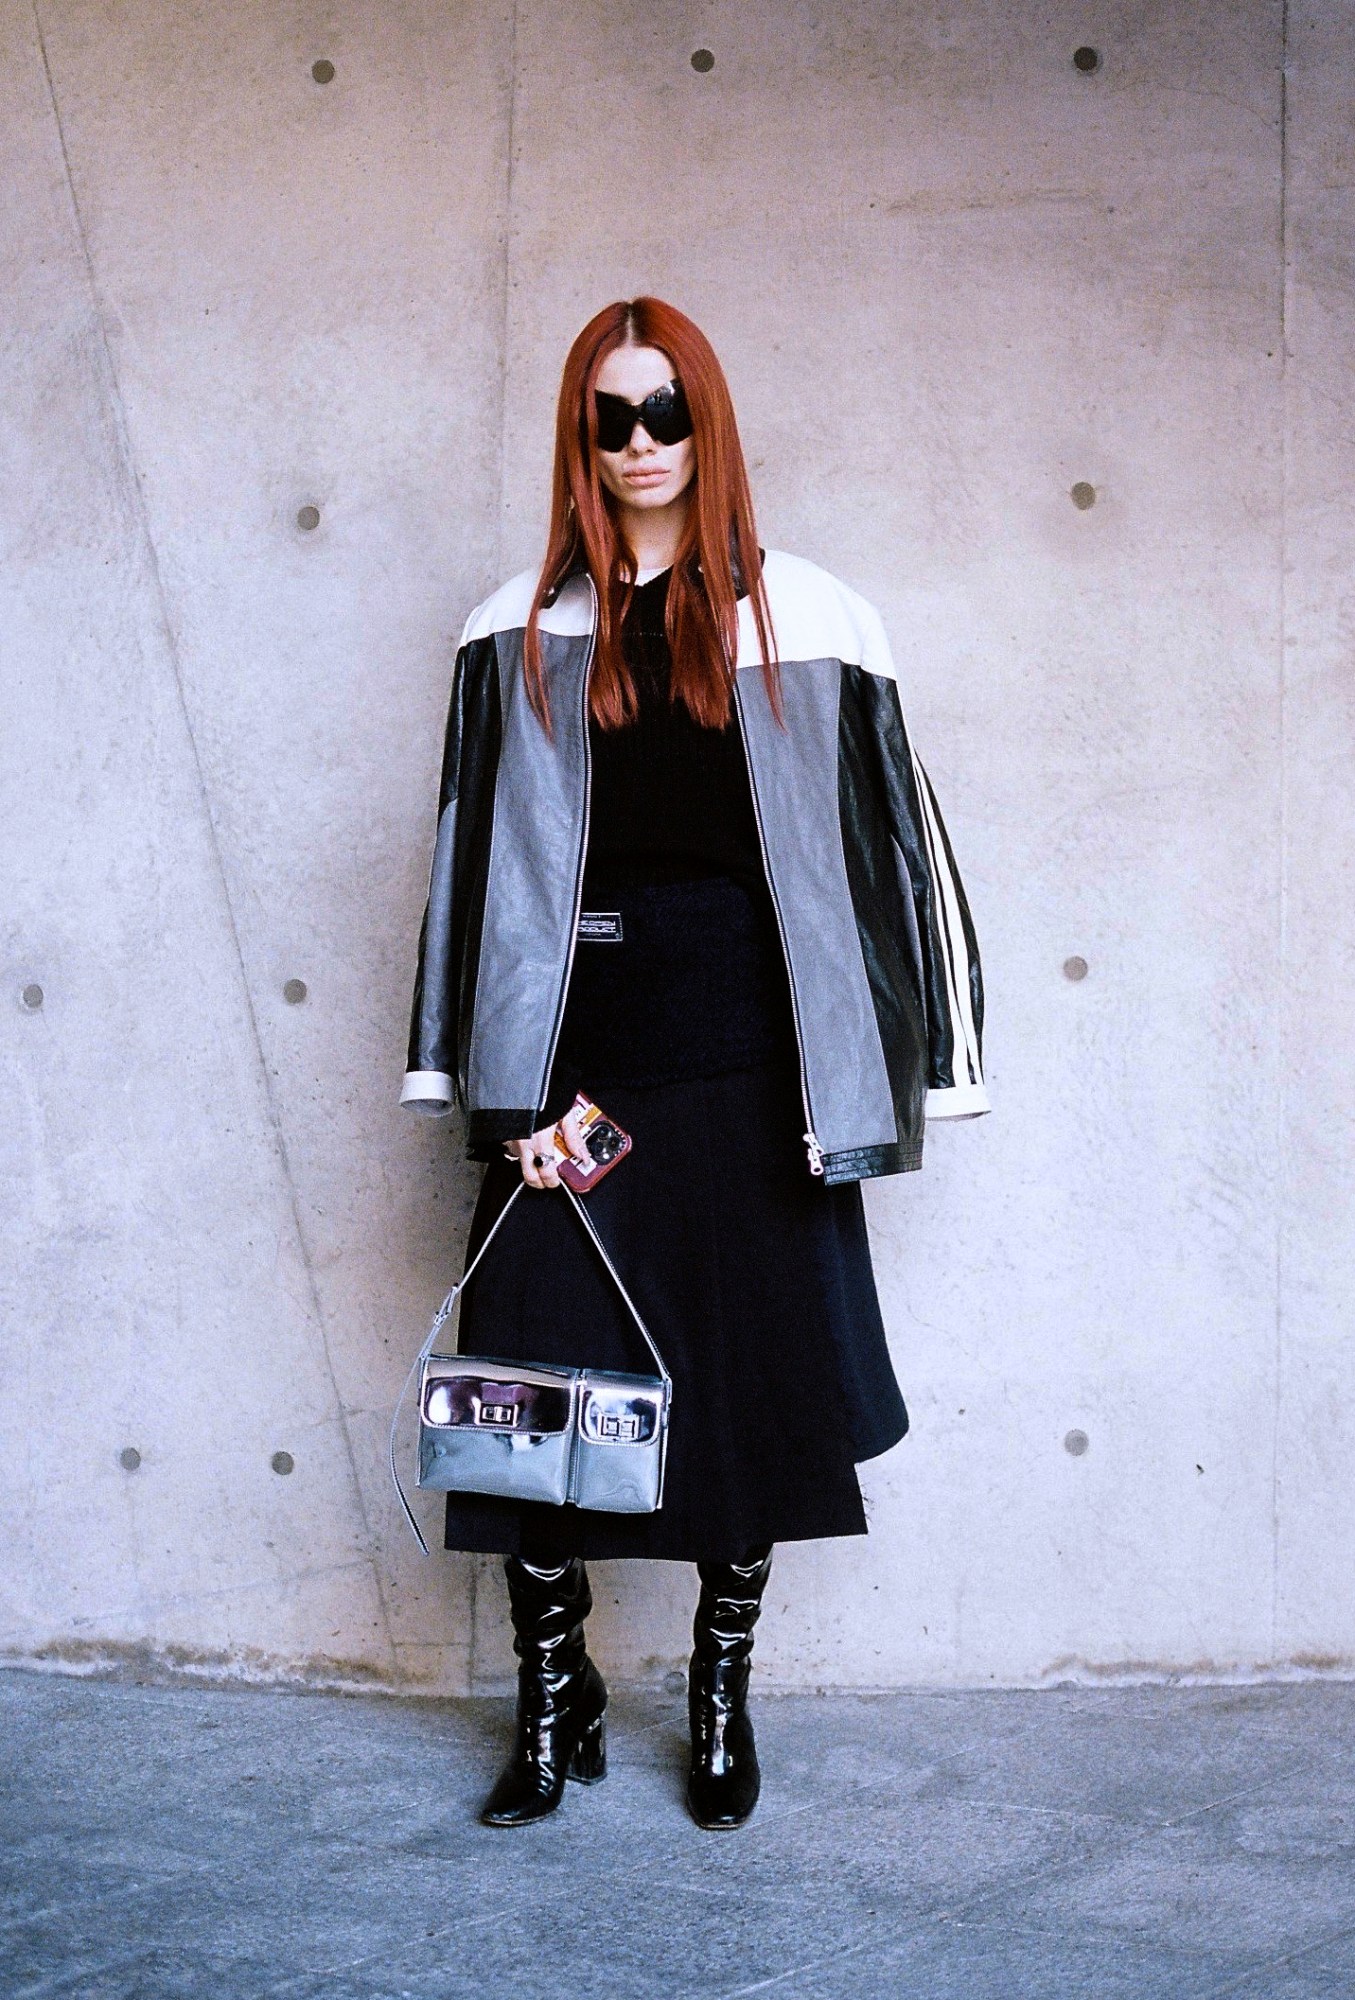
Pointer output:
x,y
506,289
1277,1964
1214,1805
968,1910
883,1936
123,446
1282,855
505,312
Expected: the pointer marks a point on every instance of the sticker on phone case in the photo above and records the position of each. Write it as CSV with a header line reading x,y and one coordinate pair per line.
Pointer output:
x,y
603,1141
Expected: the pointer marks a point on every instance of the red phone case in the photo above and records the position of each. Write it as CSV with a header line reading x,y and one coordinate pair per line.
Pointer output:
x,y
614,1146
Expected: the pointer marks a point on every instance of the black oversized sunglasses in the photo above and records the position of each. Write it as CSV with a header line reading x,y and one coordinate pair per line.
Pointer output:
x,y
663,413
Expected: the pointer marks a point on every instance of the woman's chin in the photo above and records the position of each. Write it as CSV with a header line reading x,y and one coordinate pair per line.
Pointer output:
x,y
650,494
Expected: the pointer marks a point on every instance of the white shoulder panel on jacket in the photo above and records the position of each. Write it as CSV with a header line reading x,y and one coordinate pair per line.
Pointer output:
x,y
815,617
510,606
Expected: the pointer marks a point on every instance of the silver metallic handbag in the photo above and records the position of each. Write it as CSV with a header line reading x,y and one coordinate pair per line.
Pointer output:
x,y
531,1431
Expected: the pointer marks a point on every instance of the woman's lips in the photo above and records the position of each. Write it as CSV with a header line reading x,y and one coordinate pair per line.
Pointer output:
x,y
652,477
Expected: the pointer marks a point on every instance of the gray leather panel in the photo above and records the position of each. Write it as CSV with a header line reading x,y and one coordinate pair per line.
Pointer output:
x,y
432,1039
795,771
533,875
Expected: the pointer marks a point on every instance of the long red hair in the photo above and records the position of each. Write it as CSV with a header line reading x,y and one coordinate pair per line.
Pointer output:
x,y
717,556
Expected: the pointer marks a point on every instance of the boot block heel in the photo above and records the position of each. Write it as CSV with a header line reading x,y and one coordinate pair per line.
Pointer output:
x,y
588,1765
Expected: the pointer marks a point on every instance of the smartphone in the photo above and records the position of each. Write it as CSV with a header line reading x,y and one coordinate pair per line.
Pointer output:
x,y
604,1142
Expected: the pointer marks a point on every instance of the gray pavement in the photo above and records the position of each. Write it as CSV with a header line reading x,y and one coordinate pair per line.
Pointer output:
x,y
167,1841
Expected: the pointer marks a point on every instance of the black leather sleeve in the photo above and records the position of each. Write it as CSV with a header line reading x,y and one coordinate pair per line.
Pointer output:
x,y
946,944
449,935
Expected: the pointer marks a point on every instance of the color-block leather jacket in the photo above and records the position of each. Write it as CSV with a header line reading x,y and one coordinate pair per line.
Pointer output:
x,y
880,948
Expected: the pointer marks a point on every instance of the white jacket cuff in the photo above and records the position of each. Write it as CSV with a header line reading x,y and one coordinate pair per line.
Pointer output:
x,y
428,1091
961,1100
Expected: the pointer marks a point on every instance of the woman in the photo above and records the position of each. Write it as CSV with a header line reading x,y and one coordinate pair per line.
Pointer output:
x,y
687,864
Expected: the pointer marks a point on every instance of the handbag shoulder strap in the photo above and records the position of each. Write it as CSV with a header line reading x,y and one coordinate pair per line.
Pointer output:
x,y
445,1310
586,1219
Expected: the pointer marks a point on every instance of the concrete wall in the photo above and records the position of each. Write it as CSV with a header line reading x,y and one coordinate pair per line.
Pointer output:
x,y
951,275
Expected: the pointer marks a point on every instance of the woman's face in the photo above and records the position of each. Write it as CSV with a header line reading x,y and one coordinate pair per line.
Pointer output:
x,y
643,475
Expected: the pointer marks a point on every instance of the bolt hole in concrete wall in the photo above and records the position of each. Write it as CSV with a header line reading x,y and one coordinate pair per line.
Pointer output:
x,y
954,258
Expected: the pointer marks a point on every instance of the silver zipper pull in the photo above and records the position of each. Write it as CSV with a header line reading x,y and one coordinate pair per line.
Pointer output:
x,y
815,1151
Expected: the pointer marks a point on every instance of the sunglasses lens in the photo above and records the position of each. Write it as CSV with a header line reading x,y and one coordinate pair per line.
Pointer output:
x,y
616,421
665,415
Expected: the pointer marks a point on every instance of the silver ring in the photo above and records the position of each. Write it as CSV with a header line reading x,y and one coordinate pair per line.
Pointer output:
x,y
538,1161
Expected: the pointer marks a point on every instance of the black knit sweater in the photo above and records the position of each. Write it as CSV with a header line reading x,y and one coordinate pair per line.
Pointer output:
x,y
670,800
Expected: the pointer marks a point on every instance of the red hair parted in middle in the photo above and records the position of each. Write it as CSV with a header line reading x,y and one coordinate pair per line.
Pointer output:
x,y
717,556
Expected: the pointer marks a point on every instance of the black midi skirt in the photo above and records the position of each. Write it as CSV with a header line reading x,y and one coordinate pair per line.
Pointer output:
x,y
753,1277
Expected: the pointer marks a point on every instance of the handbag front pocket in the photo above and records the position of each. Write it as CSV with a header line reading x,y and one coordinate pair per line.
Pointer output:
x,y
621,1442
496,1427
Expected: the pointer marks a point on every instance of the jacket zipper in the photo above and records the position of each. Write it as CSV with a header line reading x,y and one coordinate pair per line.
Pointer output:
x,y
812,1146
583,853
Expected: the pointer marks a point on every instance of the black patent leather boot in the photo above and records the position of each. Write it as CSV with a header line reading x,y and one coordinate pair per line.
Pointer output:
x,y
562,1700
725,1781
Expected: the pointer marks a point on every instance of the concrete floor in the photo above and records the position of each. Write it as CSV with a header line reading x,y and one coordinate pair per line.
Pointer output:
x,y
164,1841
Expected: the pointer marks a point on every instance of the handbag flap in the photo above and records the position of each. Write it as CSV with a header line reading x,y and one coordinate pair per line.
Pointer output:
x,y
468,1392
621,1409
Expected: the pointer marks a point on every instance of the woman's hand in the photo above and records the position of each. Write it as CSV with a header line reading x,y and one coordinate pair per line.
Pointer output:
x,y
538,1155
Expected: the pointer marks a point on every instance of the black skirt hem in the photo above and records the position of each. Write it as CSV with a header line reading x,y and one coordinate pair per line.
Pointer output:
x,y
485,1531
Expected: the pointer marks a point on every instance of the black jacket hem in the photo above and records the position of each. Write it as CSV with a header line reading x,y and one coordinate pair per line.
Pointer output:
x,y
865,1163
486,1131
